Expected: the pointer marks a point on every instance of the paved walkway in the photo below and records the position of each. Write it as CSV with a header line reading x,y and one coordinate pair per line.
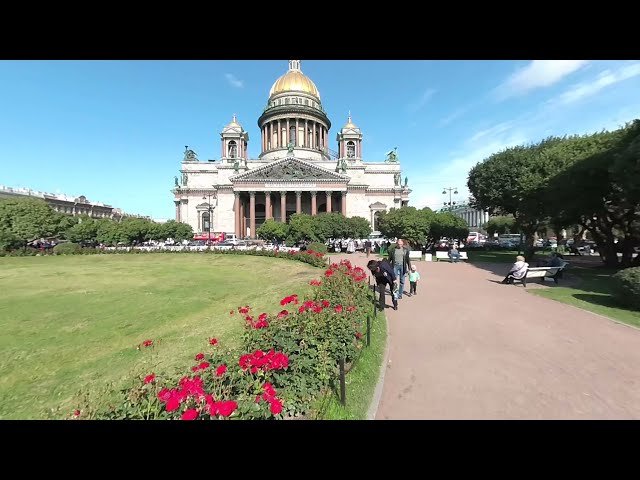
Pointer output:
x,y
467,347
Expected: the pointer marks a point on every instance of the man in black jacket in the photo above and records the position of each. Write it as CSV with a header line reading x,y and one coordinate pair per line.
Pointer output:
x,y
384,275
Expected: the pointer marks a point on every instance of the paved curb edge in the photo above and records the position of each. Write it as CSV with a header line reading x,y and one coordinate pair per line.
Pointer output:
x,y
377,393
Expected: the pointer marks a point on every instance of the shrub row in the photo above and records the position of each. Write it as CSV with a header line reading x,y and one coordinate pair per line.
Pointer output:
x,y
626,287
286,360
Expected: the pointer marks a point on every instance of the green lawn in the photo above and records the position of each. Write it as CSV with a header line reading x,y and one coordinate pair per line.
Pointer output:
x,y
592,292
74,322
361,381
492,256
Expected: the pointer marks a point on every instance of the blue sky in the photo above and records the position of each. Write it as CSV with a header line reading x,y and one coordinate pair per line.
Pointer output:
x,y
115,131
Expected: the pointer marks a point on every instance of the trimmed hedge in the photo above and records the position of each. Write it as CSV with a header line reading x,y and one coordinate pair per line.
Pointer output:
x,y
317,247
626,287
66,249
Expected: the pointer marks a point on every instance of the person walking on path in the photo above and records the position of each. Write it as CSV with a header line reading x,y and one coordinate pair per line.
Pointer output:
x,y
367,247
399,258
384,275
414,278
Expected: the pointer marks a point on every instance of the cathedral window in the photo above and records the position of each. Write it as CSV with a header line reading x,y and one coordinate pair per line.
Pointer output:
x,y
233,149
351,149
205,221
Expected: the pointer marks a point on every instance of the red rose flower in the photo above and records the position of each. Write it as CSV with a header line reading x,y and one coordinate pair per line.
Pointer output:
x,y
147,343
339,309
283,313
358,335
199,356
190,414
172,404
262,317
276,406
164,395
221,370
76,413
328,273
203,365
194,369
227,408
325,303
213,341
149,378
317,309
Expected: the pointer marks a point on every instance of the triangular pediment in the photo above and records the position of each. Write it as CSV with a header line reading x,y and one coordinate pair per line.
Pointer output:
x,y
290,168
377,205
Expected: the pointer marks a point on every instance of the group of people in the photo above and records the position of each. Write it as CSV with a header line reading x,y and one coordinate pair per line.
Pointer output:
x,y
391,273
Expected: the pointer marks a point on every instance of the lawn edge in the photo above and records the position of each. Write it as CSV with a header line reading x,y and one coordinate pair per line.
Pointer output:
x,y
619,322
377,392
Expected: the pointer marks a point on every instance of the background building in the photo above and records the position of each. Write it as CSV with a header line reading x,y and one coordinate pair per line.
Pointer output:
x,y
70,205
296,172
475,218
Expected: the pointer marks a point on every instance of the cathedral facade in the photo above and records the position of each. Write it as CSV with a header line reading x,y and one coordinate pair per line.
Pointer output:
x,y
296,171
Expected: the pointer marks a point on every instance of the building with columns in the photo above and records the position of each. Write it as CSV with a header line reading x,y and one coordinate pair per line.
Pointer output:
x,y
474,218
296,171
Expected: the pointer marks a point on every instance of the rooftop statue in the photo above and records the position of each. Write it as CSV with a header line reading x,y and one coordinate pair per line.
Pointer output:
x,y
392,156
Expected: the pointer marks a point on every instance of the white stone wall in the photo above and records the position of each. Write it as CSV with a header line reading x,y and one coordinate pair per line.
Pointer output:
x,y
207,175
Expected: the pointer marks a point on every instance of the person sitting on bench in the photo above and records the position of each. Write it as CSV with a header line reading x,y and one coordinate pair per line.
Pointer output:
x,y
554,261
518,271
454,254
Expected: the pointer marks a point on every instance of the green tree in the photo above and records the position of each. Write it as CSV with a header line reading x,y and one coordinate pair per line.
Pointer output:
x,y
600,193
28,219
330,225
183,231
273,231
85,231
358,227
408,223
448,225
500,225
302,227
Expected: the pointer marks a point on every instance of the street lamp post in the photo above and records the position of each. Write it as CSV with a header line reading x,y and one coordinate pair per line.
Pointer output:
x,y
450,204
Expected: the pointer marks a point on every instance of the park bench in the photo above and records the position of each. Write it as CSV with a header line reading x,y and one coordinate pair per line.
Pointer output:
x,y
445,256
543,273
415,255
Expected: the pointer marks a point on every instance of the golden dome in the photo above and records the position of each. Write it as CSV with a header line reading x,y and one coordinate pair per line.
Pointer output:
x,y
233,122
350,124
294,81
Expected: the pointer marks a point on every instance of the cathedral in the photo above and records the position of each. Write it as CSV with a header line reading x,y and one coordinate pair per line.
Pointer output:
x,y
296,171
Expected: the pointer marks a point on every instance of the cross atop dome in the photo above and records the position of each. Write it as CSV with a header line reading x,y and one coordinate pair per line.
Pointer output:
x,y
294,65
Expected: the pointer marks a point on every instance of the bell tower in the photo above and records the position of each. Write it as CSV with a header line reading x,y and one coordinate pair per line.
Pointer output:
x,y
234,142
350,142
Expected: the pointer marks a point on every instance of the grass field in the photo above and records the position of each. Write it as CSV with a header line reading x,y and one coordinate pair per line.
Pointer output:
x,y
74,322
592,292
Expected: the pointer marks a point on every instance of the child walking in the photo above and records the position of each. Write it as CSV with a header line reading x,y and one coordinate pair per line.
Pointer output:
x,y
414,278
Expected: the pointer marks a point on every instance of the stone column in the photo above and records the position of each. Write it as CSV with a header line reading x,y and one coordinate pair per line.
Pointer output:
x,y
288,134
252,213
298,202
283,207
297,133
328,201
177,203
314,210
262,139
243,224
223,152
236,211
279,136
344,203
267,205
306,133
313,136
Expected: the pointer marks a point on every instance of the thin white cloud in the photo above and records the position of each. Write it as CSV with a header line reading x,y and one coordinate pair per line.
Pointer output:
x,y
537,74
422,100
454,116
233,81
605,79
492,131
